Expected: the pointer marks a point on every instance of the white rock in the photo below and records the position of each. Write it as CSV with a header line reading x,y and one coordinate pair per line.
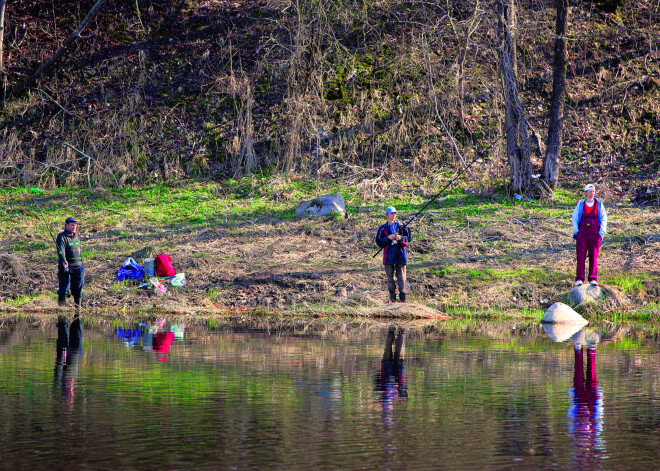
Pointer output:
x,y
560,313
585,293
322,206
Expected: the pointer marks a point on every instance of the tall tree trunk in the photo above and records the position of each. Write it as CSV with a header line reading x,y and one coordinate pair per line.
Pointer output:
x,y
2,35
3,77
517,129
553,143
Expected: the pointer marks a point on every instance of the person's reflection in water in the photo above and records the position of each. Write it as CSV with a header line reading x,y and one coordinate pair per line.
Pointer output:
x,y
391,382
69,351
586,410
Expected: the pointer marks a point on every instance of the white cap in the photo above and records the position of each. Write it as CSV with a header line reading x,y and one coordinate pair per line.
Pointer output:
x,y
390,209
589,186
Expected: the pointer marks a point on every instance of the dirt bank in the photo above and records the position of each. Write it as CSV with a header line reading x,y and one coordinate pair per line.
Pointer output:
x,y
514,261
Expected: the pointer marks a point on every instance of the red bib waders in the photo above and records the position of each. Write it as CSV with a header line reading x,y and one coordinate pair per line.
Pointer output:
x,y
588,242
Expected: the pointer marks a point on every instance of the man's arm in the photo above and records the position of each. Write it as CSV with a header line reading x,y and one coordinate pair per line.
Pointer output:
x,y
575,219
406,235
60,244
602,214
381,239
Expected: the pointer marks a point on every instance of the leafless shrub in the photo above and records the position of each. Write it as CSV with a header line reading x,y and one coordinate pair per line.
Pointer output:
x,y
245,158
12,269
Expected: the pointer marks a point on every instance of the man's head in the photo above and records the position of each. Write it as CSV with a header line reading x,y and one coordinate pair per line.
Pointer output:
x,y
71,225
390,213
589,191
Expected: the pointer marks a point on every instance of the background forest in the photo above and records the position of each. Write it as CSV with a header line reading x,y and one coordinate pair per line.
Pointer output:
x,y
161,91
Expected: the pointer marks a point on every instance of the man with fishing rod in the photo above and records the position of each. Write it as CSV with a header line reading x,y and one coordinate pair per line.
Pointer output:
x,y
70,268
393,238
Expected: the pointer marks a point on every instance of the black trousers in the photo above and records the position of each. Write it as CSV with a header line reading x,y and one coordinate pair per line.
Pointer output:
x,y
74,280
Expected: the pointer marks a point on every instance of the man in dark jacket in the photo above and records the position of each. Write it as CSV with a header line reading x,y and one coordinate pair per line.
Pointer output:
x,y
394,237
70,268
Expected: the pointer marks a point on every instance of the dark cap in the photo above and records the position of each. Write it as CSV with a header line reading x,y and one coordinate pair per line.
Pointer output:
x,y
70,220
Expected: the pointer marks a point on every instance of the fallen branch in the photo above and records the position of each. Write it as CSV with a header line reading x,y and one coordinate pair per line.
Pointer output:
x,y
111,210
89,161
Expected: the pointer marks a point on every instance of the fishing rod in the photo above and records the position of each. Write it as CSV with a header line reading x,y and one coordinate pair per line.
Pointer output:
x,y
430,201
66,269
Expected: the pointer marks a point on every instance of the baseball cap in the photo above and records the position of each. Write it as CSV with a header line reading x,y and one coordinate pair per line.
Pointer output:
x,y
71,220
390,209
589,186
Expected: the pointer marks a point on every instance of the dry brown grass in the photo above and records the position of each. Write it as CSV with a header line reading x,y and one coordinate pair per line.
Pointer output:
x,y
12,269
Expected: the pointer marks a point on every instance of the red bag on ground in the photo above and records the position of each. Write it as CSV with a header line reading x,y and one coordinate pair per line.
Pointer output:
x,y
164,266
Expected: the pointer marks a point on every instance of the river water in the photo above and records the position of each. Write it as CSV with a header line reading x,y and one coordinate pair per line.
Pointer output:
x,y
293,394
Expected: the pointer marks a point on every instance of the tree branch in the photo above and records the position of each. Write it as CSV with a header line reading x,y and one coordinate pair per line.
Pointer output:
x,y
437,113
50,62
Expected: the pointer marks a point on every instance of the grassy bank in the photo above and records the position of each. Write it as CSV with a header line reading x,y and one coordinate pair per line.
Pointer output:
x,y
474,255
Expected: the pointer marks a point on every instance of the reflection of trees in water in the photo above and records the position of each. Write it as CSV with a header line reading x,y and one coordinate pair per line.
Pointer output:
x,y
353,329
457,381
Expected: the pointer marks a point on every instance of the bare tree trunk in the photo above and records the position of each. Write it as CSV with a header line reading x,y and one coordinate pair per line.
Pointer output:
x,y
3,77
553,143
2,34
517,129
246,159
461,87
50,62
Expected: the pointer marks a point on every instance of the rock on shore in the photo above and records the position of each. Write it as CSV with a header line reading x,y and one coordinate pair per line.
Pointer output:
x,y
585,293
322,206
560,313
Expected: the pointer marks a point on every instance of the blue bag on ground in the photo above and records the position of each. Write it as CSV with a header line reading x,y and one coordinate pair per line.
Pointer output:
x,y
131,269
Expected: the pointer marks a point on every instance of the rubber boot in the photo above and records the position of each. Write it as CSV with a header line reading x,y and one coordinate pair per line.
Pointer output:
x,y
77,301
392,296
61,299
402,297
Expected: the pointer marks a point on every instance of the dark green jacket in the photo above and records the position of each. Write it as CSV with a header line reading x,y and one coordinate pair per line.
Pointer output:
x,y
68,245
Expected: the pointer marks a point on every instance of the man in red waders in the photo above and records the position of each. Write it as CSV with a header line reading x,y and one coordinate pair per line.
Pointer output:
x,y
589,226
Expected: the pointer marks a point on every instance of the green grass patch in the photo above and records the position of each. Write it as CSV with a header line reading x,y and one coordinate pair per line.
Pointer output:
x,y
214,294
533,275
629,283
22,299
31,246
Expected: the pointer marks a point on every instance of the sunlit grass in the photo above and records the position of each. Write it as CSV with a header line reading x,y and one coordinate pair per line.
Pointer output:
x,y
535,275
23,299
118,222
629,283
